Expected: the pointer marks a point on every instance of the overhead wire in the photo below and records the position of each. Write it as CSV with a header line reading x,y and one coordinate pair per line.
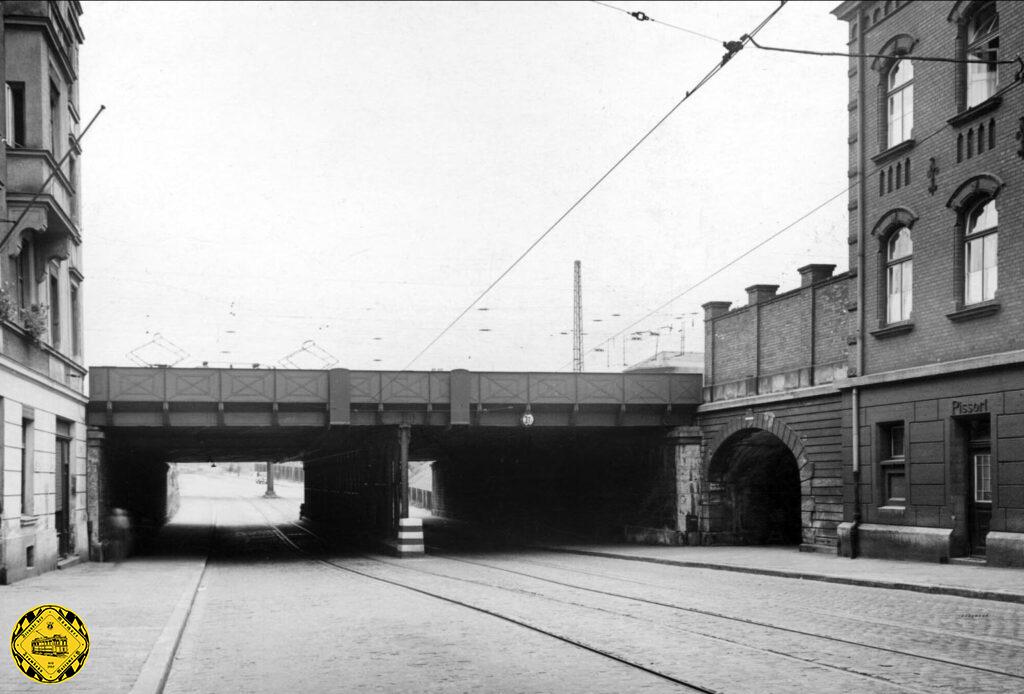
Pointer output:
x,y
644,17
1018,80
732,47
908,56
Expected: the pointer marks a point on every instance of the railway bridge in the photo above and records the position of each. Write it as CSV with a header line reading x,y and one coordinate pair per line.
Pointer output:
x,y
580,452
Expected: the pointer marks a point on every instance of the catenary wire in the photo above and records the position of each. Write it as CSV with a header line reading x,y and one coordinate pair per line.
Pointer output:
x,y
1018,80
909,56
644,17
732,47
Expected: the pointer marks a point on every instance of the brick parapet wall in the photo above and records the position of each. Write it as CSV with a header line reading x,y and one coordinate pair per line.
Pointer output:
x,y
794,340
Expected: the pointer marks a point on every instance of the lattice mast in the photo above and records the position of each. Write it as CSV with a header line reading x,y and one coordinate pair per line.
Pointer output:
x,y
577,317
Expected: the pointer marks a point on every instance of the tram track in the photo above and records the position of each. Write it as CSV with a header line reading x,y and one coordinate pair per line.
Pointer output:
x,y
753,622
828,614
281,535
405,566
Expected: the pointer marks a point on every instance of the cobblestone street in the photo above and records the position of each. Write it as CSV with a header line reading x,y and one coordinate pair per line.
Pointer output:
x,y
277,611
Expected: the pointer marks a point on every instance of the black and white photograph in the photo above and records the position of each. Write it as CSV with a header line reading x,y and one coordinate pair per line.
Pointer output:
x,y
530,347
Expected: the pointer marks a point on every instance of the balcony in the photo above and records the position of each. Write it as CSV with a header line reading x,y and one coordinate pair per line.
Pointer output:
x,y
27,169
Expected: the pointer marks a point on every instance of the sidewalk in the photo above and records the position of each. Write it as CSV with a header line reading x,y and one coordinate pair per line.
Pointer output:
x,y
126,606
983,582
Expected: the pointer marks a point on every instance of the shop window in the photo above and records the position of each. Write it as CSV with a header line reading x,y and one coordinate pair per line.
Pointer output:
x,y
893,463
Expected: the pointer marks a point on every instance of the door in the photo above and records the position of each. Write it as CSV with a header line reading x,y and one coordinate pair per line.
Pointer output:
x,y
980,503
63,502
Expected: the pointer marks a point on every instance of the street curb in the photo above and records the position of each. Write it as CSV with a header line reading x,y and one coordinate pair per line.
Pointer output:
x,y
157,667
825,578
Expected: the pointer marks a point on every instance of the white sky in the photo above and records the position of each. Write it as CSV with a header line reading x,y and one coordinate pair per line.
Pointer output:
x,y
356,173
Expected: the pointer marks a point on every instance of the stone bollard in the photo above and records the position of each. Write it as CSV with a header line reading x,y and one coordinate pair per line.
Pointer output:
x,y
410,537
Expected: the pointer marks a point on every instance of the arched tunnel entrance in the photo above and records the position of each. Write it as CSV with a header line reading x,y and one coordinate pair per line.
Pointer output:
x,y
753,493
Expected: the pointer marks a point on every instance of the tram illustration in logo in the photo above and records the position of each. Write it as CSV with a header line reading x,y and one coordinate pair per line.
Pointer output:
x,y
50,644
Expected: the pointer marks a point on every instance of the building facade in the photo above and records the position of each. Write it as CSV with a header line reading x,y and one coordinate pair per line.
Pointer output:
x,y
923,406
43,468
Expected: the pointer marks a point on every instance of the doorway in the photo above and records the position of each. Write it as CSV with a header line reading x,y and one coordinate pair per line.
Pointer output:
x,y
63,512
979,488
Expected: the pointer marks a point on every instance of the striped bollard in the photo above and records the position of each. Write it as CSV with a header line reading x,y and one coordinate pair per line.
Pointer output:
x,y
410,537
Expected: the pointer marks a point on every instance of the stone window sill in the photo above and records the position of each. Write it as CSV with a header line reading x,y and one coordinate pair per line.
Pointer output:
x,y
990,104
893,329
985,308
27,521
894,151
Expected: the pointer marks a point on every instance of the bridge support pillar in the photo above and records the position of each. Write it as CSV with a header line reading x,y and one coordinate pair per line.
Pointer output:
x,y
96,490
404,436
270,493
686,452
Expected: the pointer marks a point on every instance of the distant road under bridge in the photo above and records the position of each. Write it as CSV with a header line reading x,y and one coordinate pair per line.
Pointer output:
x,y
588,450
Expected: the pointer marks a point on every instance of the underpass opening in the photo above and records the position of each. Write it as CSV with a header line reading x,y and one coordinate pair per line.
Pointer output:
x,y
291,475
753,495
556,484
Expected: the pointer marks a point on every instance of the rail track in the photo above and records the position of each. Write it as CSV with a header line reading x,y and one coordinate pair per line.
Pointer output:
x,y
283,537
412,568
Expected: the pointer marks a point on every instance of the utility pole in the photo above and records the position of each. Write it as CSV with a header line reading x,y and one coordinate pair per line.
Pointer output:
x,y
577,318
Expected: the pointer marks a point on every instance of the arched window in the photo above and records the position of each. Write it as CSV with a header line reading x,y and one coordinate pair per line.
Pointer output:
x,y
899,276
982,45
981,245
900,101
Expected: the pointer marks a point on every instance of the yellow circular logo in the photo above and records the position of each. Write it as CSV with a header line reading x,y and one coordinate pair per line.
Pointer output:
x,y
50,643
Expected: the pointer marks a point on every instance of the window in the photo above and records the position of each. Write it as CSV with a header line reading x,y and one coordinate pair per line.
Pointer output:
x,y
76,322
54,120
893,465
14,104
28,467
55,311
899,276
982,45
23,274
980,252
900,109
982,463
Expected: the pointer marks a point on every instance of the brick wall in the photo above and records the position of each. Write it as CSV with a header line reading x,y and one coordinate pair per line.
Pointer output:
x,y
938,278
793,340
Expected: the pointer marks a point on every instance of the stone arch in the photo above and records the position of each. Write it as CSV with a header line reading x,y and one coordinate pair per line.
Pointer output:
x,y
718,503
896,217
895,48
981,185
769,422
